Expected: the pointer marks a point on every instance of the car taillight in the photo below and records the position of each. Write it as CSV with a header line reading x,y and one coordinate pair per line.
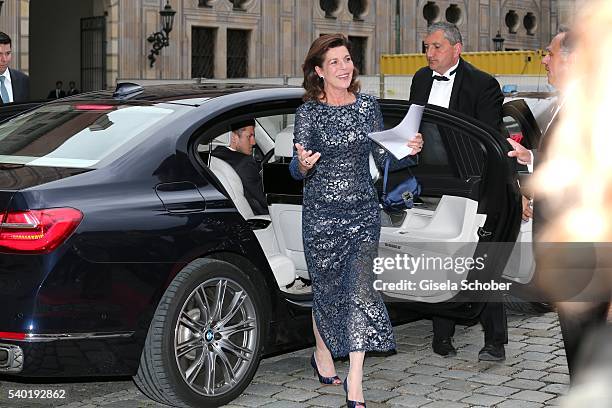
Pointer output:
x,y
12,336
94,107
37,231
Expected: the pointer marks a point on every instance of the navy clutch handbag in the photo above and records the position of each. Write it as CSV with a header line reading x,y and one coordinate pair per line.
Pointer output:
x,y
402,196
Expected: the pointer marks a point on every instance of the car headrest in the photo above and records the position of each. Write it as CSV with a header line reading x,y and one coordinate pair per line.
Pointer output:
x,y
283,143
222,140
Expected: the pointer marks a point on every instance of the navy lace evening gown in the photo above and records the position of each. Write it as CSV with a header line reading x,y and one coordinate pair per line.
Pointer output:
x,y
341,223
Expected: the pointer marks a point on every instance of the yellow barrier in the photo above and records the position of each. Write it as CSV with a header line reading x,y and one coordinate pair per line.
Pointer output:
x,y
502,63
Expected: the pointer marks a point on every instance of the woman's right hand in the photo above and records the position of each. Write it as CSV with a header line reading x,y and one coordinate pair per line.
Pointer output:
x,y
306,159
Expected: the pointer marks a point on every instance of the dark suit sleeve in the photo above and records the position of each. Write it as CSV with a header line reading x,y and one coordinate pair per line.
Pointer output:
x,y
26,89
420,86
489,104
248,170
21,86
412,88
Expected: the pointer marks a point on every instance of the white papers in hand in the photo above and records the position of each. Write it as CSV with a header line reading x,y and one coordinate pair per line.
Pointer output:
x,y
394,140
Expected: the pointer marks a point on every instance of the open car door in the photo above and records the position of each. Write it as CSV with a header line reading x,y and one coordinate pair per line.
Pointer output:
x,y
524,129
471,202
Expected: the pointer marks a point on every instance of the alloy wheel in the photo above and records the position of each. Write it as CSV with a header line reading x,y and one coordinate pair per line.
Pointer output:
x,y
215,336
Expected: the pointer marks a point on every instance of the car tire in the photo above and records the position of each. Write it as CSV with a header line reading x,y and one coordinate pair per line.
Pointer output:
x,y
223,321
516,304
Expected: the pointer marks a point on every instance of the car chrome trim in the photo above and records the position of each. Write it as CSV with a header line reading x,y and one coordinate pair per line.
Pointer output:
x,y
306,303
28,225
34,337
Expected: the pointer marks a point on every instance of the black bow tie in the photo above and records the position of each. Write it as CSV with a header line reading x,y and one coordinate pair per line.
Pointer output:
x,y
443,78
440,78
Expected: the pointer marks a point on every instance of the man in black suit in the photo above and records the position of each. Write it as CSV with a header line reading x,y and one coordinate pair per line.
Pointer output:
x,y
576,318
58,92
451,82
239,155
14,85
72,89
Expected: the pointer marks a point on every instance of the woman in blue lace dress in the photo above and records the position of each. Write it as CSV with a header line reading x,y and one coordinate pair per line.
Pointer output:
x,y
341,219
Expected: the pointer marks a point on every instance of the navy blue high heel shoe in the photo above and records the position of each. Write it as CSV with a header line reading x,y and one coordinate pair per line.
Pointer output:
x,y
350,403
335,380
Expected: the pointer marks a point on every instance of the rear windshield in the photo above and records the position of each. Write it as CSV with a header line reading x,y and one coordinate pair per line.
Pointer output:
x,y
75,135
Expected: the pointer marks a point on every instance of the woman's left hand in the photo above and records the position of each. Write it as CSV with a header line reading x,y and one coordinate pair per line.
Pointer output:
x,y
416,144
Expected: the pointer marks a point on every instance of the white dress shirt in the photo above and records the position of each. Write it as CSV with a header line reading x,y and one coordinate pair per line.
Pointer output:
x,y
8,84
441,91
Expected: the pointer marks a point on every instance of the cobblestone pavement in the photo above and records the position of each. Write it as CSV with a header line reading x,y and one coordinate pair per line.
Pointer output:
x,y
533,375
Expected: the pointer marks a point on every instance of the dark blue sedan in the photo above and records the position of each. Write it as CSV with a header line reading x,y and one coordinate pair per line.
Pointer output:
x,y
127,249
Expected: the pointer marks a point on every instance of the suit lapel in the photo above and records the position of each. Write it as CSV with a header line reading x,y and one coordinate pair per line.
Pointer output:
x,y
453,104
428,86
16,84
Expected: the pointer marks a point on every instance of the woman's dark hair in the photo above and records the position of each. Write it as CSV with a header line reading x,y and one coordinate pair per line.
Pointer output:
x,y
315,58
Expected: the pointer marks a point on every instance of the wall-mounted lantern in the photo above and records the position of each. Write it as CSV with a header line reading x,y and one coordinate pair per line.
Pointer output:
x,y
498,42
160,39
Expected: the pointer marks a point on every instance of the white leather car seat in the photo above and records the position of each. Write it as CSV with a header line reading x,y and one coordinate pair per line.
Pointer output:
x,y
233,185
283,142
282,267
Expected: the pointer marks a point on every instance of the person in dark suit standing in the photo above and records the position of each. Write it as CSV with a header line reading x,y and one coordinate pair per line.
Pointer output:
x,y
451,82
578,104
72,89
239,155
14,85
58,92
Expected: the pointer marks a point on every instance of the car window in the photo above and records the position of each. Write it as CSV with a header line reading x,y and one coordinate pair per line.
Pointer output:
x,y
273,125
267,128
79,136
434,155
452,161
449,152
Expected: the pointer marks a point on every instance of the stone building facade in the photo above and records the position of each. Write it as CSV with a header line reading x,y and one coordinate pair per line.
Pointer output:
x,y
255,38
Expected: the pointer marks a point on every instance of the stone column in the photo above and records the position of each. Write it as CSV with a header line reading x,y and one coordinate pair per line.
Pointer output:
x,y
221,53
268,58
112,45
288,63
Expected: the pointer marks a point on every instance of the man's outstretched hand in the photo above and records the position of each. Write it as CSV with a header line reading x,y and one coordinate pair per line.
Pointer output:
x,y
523,155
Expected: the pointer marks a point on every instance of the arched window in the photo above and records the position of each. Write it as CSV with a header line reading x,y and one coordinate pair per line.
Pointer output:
x,y
330,7
431,12
512,21
530,23
454,14
358,8
239,4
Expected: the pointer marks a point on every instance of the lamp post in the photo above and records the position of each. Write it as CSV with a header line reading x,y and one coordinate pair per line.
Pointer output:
x,y
498,42
160,39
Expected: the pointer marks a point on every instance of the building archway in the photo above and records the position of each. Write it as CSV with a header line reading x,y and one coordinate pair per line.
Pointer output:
x,y
66,44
